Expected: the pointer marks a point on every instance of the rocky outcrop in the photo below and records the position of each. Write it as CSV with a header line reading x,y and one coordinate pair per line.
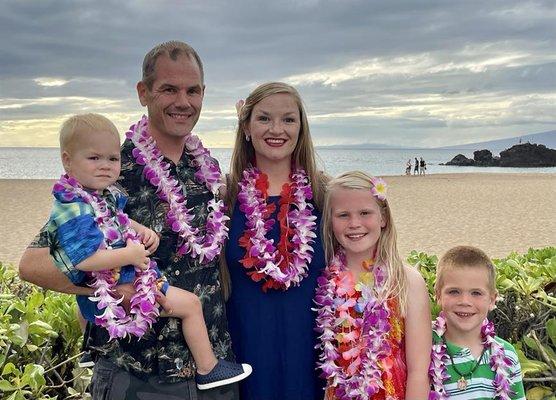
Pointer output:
x,y
461,161
524,155
528,155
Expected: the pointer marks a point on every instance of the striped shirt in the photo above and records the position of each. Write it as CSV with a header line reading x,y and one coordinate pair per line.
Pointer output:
x,y
481,385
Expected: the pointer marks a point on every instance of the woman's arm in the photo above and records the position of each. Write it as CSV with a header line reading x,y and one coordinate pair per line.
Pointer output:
x,y
37,267
418,337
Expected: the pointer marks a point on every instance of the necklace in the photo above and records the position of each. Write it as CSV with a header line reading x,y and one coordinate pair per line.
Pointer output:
x,y
143,309
462,381
353,322
286,264
157,171
440,357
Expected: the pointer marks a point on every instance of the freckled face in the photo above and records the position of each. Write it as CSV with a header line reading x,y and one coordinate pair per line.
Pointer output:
x,y
274,127
466,299
93,159
356,221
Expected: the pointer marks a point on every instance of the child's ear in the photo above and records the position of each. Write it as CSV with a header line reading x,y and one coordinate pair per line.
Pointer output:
x,y
66,160
493,297
383,221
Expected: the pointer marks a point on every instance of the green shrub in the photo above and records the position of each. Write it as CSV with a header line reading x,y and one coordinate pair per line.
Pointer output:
x,y
525,311
39,335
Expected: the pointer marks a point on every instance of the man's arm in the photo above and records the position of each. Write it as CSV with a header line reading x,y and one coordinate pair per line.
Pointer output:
x,y
37,267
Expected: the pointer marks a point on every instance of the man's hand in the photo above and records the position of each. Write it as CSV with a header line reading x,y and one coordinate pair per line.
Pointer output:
x,y
127,291
164,303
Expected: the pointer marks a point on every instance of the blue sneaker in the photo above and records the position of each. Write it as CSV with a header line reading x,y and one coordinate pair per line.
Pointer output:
x,y
223,373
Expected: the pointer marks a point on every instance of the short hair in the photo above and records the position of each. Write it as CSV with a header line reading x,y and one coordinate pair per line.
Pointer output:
x,y
464,257
84,122
172,49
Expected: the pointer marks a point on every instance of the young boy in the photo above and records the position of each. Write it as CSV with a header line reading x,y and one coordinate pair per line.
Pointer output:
x,y
90,230
468,360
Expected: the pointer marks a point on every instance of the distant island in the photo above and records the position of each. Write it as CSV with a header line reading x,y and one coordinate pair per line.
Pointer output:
x,y
525,155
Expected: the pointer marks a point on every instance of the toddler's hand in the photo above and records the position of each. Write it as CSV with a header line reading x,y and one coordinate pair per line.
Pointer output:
x,y
138,255
150,239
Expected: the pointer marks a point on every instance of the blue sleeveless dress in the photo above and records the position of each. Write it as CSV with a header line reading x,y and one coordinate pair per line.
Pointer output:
x,y
274,331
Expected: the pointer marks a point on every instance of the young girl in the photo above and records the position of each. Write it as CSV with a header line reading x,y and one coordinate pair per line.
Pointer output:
x,y
374,339
97,244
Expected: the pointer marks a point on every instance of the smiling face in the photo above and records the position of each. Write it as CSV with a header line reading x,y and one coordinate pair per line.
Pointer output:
x,y
274,128
93,158
466,298
175,99
357,222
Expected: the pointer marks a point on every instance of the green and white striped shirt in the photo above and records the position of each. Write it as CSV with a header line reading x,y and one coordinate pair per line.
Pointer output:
x,y
481,385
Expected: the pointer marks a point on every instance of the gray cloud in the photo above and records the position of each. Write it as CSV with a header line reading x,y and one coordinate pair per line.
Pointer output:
x,y
425,72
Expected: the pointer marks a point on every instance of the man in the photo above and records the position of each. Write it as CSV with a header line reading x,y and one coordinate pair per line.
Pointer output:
x,y
160,364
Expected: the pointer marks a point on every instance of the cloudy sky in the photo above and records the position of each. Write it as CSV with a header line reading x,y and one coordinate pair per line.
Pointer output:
x,y
424,73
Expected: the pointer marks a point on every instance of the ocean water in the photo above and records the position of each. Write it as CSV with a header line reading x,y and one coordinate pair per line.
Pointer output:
x,y
44,163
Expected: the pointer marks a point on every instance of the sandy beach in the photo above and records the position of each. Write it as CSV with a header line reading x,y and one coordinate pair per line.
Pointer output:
x,y
498,212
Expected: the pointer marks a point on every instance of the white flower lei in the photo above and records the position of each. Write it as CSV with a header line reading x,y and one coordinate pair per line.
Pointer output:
x,y
179,217
499,362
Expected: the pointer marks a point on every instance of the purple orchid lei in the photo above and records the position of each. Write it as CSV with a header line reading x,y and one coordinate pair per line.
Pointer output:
x,y
143,309
499,362
179,217
368,332
300,219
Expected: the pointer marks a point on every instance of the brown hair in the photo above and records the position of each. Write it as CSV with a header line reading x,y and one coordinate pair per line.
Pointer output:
x,y
172,49
464,257
243,153
387,250
303,155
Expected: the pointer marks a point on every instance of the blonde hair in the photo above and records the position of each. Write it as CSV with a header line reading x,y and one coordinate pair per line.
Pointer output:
x,y
387,250
172,49
303,155
464,257
79,123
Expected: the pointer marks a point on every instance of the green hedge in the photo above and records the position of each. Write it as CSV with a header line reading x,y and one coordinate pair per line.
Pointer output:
x,y
40,336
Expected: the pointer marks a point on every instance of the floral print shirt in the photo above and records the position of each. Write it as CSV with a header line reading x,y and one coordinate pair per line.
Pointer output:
x,y
162,351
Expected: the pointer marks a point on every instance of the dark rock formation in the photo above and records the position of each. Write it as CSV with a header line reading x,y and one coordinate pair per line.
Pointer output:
x,y
528,155
521,155
461,161
483,158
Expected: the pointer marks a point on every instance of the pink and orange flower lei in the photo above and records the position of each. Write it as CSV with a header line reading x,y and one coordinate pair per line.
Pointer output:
x,y
143,309
353,322
499,362
157,171
287,263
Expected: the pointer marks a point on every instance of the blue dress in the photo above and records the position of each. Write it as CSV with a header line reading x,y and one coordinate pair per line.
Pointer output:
x,y
274,331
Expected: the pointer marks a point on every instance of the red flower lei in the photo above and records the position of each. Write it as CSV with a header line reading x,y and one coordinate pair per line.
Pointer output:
x,y
286,264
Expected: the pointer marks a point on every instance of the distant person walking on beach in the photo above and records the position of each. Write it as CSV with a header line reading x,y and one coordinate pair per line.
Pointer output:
x,y
408,167
422,167
416,169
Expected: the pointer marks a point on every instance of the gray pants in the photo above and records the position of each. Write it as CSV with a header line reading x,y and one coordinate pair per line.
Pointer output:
x,y
110,382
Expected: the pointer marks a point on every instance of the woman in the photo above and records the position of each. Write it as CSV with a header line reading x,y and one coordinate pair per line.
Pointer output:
x,y
274,254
